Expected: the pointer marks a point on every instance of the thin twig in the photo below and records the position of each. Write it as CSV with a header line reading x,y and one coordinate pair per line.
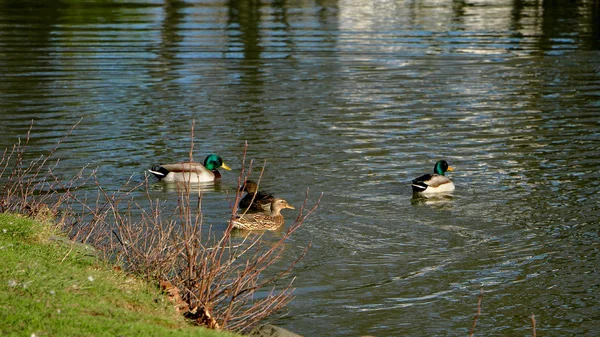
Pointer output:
x,y
479,299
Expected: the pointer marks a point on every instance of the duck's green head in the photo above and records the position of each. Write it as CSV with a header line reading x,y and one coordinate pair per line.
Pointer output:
x,y
214,162
441,167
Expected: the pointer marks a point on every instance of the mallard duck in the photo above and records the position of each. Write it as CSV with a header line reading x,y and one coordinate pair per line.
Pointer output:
x,y
262,200
436,182
262,221
191,172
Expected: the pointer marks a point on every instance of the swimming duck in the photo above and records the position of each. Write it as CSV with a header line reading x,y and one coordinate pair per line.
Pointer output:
x,y
262,221
191,172
436,182
262,200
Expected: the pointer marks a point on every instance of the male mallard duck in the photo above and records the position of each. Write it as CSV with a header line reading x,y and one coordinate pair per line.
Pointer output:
x,y
261,221
191,172
436,182
262,200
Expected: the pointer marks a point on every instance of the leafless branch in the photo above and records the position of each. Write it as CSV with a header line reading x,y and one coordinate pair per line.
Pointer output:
x,y
479,299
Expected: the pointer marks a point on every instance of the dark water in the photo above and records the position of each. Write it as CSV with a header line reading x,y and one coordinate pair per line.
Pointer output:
x,y
353,99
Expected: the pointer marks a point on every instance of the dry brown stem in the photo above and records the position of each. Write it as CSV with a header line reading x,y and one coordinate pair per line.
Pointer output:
x,y
479,299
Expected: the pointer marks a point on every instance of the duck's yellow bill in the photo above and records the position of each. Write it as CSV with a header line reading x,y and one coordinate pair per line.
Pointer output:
x,y
225,167
450,168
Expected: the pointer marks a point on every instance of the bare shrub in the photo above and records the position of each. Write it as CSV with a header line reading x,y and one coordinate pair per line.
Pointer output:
x,y
218,276
217,279
28,186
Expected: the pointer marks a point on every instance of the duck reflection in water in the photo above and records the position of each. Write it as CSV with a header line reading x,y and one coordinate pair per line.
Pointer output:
x,y
192,188
438,199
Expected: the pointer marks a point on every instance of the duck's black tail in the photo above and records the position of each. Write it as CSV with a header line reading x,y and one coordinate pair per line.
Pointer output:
x,y
158,171
418,185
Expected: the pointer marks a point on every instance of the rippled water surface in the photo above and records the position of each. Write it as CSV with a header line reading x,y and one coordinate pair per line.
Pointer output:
x,y
354,99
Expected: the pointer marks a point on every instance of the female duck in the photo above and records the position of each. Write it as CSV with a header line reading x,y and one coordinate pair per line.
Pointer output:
x,y
436,182
261,221
255,200
191,172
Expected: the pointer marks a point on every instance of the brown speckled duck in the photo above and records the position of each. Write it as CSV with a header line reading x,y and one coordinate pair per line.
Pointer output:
x,y
262,200
261,221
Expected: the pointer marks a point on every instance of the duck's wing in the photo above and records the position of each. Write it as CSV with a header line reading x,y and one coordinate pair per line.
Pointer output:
x,y
420,183
263,198
262,201
245,202
248,221
429,180
258,221
185,167
437,180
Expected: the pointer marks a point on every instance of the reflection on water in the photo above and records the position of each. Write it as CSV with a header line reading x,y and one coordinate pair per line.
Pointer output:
x,y
192,188
352,98
438,199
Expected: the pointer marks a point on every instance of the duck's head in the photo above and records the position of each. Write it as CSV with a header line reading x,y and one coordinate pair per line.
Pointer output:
x,y
214,162
250,186
441,167
279,204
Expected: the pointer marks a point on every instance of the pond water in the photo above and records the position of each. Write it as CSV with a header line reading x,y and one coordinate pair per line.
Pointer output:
x,y
354,99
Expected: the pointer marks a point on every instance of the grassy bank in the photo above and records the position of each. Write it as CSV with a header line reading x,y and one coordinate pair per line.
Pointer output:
x,y
50,287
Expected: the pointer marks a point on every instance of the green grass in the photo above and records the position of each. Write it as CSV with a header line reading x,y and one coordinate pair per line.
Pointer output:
x,y
54,288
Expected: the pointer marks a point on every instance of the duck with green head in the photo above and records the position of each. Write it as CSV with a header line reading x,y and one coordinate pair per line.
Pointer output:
x,y
191,172
436,182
